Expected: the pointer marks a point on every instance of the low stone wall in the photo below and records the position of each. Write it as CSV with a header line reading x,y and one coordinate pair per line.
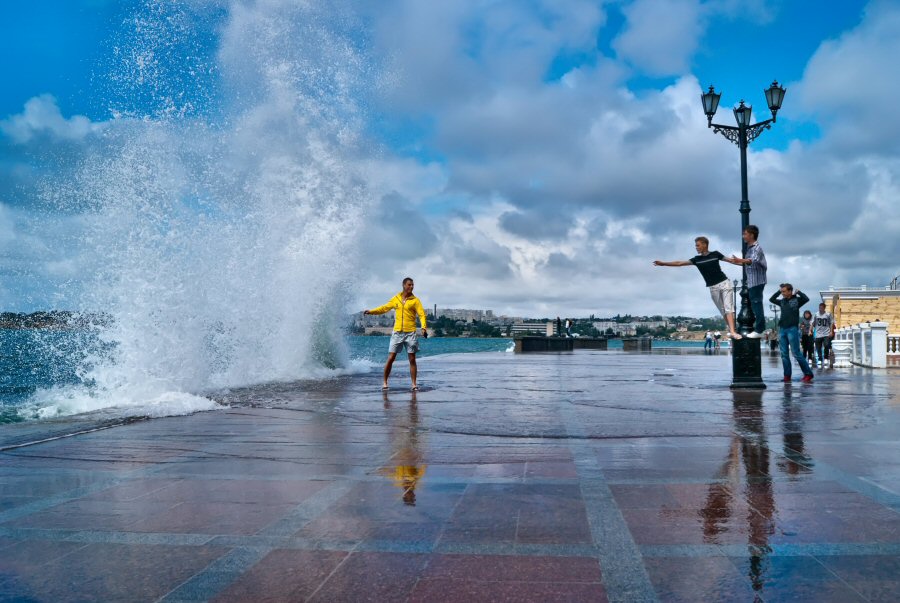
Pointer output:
x,y
637,344
591,343
543,344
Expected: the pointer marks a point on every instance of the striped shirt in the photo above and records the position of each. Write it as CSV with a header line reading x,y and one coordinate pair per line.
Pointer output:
x,y
756,269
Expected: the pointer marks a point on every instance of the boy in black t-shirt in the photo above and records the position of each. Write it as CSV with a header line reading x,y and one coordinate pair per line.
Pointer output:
x,y
720,289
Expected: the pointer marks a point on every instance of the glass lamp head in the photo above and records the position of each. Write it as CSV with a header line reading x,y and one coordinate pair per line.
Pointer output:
x,y
742,114
774,97
710,103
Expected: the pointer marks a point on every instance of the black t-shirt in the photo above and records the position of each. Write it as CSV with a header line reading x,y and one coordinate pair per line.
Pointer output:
x,y
709,267
790,308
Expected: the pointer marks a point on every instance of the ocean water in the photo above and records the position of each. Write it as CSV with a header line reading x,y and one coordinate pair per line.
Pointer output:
x,y
48,373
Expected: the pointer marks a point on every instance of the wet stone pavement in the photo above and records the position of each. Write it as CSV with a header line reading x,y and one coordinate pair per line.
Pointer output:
x,y
587,476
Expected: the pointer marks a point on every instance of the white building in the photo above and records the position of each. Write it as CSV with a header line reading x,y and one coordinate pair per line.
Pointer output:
x,y
466,315
618,328
532,328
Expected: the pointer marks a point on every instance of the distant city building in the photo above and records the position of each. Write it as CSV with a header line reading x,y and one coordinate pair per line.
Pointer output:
x,y
466,315
373,320
532,328
653,324
618,328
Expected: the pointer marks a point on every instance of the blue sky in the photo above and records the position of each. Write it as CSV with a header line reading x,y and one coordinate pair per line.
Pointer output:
x,y
59,46
531,144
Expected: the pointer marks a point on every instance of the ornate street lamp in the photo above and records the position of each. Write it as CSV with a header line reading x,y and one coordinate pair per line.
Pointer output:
x,y
746,362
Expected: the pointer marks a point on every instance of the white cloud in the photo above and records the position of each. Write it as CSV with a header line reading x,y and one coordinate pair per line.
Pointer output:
x,y
42,116
660,36
575,186
851,83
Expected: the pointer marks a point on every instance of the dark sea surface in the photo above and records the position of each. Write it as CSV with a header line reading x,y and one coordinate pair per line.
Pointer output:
x,y
32,360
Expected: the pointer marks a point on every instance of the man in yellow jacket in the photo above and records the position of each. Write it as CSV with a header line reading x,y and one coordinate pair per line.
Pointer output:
x,y
407,306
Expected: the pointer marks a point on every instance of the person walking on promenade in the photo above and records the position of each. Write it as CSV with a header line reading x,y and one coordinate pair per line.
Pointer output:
x,y
559,331
755,260
406,306
824,325
720,288
806,337
708,341
568,327
718,336
789,332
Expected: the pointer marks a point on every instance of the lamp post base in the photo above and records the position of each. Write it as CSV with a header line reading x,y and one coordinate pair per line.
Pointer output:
x,y
746,364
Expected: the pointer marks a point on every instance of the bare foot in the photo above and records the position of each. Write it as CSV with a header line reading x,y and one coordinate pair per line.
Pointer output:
x,y
736,335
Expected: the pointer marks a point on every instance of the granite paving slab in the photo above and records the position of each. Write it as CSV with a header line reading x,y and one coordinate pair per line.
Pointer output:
x,y
582,476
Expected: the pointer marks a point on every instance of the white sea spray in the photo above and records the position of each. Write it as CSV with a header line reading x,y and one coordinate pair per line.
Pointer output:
x,y
225,203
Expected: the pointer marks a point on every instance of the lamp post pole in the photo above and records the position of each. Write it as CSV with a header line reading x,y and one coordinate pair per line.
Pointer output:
x,y
734,289
746,362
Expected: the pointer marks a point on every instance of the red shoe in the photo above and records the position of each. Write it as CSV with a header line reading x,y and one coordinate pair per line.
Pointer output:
x,y
807,379
787,379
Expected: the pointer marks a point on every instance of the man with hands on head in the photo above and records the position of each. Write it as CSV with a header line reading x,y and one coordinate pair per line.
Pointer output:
x,y
789,329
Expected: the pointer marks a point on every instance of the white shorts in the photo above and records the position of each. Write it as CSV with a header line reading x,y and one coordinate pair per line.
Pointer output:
x,y
401,339
722,295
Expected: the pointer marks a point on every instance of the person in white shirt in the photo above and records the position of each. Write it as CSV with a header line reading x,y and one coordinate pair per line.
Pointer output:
x,y
823,323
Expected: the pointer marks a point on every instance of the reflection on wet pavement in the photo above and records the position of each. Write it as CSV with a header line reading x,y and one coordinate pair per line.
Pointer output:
x,y
580,476
406,468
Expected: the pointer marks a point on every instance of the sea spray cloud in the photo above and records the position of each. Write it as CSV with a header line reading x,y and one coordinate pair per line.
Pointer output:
x,y
226,237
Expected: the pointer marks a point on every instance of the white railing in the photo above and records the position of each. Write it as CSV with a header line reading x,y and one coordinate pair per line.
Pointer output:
x,y
865,344
862,288
893,345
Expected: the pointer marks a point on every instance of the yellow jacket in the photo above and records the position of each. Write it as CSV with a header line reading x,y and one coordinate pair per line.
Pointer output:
x,y
405,318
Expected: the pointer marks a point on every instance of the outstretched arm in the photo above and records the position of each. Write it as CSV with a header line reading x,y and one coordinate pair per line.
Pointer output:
x,y
736,260
675,263
381,309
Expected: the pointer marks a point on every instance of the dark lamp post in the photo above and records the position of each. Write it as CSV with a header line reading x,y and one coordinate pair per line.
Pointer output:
x,y
746,362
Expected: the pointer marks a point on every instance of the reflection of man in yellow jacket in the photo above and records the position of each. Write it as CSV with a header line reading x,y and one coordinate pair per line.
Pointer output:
x,y
406,468
407,307
406,477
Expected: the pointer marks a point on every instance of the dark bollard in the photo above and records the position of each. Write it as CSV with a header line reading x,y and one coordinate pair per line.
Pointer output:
x,y
591,343
636,344
543,344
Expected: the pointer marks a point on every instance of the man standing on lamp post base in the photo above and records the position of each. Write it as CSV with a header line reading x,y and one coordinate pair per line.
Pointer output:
x,y
407,307
755,261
